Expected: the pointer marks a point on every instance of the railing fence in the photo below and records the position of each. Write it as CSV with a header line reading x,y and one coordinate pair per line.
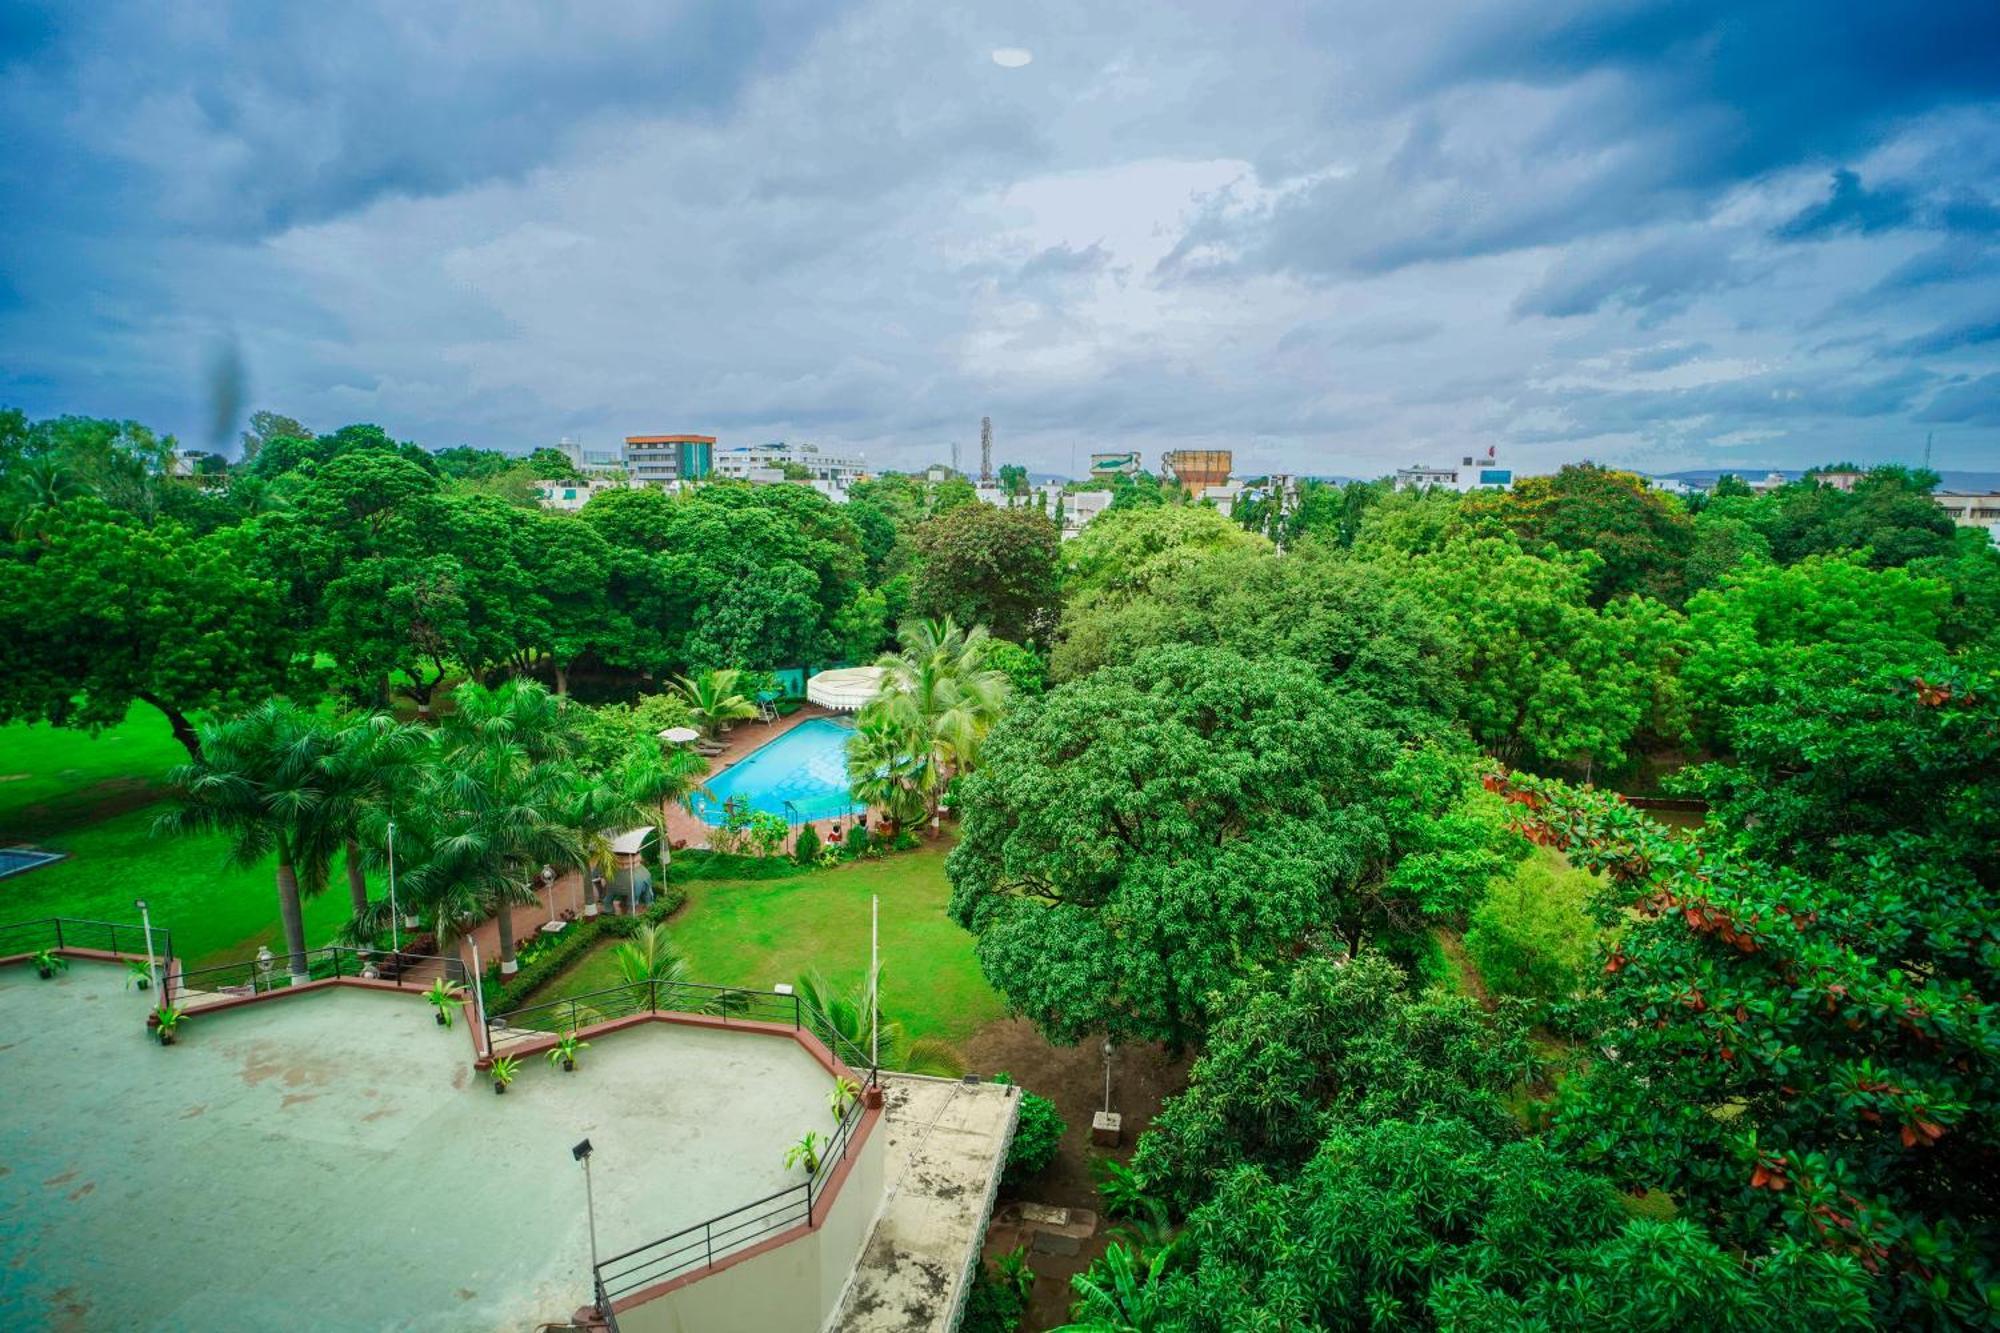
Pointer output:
x,y
65,932
273,971
701,1245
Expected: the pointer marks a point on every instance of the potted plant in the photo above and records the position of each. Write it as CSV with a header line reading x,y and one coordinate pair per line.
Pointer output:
x,y
442,996
166,1018
805,1153
504,1069
48,963
139,972
564,1052
845,1090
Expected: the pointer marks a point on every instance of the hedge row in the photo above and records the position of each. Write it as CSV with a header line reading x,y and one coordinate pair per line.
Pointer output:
x,y
575,942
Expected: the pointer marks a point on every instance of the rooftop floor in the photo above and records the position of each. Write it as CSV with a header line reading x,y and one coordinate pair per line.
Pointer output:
x,y
946,1142
331,1160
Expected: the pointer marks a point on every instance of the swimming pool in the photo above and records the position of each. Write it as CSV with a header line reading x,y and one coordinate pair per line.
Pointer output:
x,y
805,769
13,860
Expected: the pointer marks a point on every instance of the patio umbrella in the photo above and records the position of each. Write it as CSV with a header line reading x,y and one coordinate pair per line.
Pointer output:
x,y
680,735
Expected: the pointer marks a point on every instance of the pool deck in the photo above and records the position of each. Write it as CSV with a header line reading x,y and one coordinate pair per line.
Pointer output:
x,y
738,744
682,826
329,1160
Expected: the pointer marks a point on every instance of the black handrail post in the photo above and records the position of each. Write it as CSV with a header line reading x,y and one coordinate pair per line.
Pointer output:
x,y
708,1240
59,938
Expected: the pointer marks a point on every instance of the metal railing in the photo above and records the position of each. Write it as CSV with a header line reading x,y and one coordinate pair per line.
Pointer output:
x,y
67,932
700,1245
273,972
651,997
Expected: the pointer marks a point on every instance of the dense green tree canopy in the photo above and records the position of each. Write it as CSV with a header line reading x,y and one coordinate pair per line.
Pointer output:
x,y
1641,537
1545,677
1344,618
101,611
1124,552
982,565
1137,837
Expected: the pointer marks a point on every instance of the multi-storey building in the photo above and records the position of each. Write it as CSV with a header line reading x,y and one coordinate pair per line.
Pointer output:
x,y
1471,474
752,462
663,460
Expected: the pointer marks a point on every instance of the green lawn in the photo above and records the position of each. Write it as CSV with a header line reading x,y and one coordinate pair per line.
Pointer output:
x,y
760,932
95,798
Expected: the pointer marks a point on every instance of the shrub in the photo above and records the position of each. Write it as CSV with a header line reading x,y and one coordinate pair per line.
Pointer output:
x,y
805,848
1036,1137
857,841
552,960
998,1297
1534,936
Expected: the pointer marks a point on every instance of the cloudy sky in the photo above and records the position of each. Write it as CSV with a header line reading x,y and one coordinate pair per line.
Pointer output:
x,y
1334,237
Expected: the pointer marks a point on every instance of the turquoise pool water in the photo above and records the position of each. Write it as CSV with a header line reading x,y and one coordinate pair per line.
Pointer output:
x,y
805,768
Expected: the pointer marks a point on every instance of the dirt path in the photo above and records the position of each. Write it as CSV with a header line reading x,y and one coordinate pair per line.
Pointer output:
x,y
1143,1077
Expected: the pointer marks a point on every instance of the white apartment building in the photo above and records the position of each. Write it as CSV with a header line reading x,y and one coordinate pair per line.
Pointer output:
x,y
1471,474
745,460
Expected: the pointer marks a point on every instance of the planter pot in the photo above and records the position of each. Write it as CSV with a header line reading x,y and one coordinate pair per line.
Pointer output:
x,y
569,1066
499,1089
442,1021
589,910
48,973
166,1037
144,984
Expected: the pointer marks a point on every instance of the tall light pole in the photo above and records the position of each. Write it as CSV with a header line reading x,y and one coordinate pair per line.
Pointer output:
x,y
146,925
581,1152
395,916
874,981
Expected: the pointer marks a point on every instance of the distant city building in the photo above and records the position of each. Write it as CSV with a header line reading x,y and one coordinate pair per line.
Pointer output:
x,y
1471,474
820,464
1079,508
571,496
1841,479
662,460
1671,486
1122,464
1972,509
590,460
1225,496
1198,469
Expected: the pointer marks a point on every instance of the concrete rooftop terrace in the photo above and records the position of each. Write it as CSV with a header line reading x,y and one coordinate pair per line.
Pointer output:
x,y
330,1160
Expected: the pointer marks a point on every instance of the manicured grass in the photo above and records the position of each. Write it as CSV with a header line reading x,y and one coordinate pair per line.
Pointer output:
x,y
95,798
761,932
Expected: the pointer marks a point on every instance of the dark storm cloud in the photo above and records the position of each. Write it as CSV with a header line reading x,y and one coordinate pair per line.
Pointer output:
x,y
246,117
1336,236
1852,207
1658,279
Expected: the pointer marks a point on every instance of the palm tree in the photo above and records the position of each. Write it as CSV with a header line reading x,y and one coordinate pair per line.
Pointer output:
x,y
265,781
845,1015
375,765
38,484
889,767
497,803
940,688
713,699
650,956
640,783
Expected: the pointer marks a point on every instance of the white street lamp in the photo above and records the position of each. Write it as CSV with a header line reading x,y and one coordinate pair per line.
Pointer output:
x,y
395,917
152,968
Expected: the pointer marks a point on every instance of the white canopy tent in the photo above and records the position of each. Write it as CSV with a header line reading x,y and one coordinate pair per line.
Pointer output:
x,y
845,689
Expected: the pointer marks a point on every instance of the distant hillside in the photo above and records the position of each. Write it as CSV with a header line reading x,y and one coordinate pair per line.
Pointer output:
x,y
1949,480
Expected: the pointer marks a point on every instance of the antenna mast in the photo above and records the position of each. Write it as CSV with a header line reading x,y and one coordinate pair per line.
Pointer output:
x,y
986,451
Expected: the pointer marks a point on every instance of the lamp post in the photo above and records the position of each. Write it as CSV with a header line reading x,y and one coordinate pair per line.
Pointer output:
x,y
264,961
395,917
146,925
581,1152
